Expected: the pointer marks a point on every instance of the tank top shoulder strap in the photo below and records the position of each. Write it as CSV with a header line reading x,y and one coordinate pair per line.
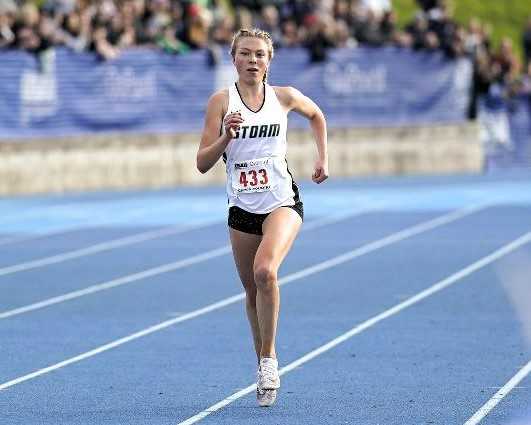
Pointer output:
x,y
234,99
272,99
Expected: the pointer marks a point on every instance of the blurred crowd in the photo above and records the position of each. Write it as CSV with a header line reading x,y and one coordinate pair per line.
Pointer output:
x,y
177,26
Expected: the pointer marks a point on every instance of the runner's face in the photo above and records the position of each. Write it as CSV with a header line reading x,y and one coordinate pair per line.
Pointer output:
x,y
251,59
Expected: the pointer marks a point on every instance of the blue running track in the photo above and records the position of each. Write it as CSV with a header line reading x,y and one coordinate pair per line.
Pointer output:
x,y
404,301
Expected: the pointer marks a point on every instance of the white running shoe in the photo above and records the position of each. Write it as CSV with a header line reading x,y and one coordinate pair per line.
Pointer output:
x,y
265,398
268,378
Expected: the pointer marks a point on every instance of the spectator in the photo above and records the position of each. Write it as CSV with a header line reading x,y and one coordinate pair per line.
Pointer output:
x,y
255,6
440,21
177,17
377,7
402,39
27,29
525,87
417,30
341,11
8,11
101,45
75,32
369,30
473,37
455,47
48,32
270,22
388,26
157,20
427,5
196,26
8,6
484,74
118,35
290,34
527,42
168,42
507,60
223,30
140,17
342,37
61,7
297,10
244,18
318,36
7,21
431,41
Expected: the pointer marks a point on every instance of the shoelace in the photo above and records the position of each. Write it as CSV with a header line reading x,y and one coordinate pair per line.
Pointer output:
x,y
269,372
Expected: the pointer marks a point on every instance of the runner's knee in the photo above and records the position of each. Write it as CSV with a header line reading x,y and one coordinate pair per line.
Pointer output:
x,y
265,276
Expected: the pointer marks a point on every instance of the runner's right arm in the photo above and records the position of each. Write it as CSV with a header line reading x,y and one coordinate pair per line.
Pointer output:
x,y
212,144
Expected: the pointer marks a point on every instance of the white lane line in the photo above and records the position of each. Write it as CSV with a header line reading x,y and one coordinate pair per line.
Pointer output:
x,y
336,218
32,237
63,230
101,247
101,220
388,240
235,298
36,210
60,230
145,236
499,396
72,219
165,268
439,286
14,239
49,233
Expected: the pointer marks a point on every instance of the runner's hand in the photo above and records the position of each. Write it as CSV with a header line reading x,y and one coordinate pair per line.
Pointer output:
x,y
231,123
320,173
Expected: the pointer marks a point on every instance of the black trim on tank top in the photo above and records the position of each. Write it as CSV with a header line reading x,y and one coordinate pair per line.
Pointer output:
x,y
244,104
294,186
221,134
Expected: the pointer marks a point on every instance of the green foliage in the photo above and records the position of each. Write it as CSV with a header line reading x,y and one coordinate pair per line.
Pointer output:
x,y
506,17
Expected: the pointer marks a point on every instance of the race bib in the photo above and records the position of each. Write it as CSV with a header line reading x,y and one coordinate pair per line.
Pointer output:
x,y
255,175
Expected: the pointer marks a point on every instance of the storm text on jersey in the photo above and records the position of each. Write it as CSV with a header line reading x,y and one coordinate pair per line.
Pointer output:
x,y
254,131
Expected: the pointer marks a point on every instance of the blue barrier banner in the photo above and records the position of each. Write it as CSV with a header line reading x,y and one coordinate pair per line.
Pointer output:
x,y
67,93
381,87
505,129
520,126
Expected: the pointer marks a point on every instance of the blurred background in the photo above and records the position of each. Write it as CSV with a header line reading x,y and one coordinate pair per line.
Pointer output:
x,y
111,93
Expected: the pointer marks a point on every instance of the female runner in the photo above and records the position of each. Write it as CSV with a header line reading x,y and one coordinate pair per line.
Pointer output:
x,y
246,125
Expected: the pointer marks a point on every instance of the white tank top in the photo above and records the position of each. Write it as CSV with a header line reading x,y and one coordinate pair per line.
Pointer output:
x,y
258,179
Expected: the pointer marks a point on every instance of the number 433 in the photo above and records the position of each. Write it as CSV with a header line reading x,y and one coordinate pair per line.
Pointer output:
x,y
253,179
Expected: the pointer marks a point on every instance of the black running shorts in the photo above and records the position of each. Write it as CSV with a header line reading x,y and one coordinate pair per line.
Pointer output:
x,y
247,222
